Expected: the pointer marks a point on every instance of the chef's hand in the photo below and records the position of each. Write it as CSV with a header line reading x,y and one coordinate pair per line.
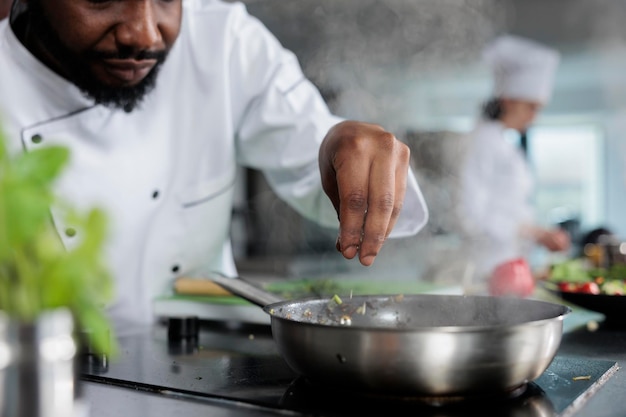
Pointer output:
x,y
364,172
555,239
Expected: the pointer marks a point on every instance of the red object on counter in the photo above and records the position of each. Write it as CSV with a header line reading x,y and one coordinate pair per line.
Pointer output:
x,y
512,278
582,287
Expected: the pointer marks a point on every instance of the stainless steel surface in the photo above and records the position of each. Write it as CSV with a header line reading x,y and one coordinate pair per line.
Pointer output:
x,y
425,344
112,401
39,375
437,345
229,369
244,289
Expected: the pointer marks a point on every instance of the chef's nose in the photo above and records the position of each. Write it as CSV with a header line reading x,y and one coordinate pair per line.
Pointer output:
x,y
139,28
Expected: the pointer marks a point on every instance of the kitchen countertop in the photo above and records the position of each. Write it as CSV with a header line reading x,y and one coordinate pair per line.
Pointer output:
x,y
110,400
235,370
603,343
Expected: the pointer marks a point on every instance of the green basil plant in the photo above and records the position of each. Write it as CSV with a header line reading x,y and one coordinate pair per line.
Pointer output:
x,y
37,272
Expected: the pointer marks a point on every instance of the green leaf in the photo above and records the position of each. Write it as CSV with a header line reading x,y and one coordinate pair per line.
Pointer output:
x,y
94,323
41,166
573,270
37,272
25,210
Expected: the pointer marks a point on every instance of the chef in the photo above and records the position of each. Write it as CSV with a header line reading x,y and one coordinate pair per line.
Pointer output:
x,y
159,102
496,182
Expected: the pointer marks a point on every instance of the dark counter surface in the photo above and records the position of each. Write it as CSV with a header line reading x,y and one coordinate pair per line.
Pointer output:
x,y
603,343
114,401
234,369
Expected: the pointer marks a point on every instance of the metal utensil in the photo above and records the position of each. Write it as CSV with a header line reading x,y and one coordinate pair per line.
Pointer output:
x,y
413,344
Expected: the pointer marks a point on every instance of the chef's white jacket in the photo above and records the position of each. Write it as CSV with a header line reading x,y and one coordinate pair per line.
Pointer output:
x,y
228,95
496,188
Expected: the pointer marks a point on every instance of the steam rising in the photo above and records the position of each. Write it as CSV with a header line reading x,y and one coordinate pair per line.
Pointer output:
x,y
414,66
376,56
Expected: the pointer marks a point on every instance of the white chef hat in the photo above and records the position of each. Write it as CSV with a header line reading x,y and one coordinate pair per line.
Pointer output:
x,y
522,69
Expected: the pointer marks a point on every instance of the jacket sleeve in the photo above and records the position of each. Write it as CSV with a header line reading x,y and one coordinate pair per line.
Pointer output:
x,y
283,123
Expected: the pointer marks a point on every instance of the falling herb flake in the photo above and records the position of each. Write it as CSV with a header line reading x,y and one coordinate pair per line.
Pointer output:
x,y
361,310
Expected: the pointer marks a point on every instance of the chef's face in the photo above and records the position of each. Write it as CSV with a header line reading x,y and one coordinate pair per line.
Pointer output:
x,y
519,114
111,49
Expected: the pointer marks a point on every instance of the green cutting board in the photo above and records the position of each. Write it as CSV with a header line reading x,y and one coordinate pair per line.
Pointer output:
x,y
317,287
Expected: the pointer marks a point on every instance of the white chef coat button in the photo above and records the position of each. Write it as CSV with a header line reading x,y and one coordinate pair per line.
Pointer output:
x,y
36,138
70,232
155,194
175,268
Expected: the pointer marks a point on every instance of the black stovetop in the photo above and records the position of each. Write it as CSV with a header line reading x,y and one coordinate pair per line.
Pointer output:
x,y
240,363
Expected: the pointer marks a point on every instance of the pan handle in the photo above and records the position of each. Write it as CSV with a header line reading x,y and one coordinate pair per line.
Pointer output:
x,y
245,289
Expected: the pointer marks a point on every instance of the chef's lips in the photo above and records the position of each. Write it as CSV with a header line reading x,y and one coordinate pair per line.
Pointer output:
x,y
121,80
124,68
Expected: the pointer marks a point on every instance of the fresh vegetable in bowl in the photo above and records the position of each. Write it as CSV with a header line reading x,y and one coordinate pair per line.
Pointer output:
x,y
576,276
602,290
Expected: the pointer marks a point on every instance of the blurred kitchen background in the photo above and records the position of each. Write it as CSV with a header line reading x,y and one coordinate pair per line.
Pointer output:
x,y
414,66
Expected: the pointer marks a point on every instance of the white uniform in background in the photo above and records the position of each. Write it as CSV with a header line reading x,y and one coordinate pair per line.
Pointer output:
x,y
228,94
496,191
496,181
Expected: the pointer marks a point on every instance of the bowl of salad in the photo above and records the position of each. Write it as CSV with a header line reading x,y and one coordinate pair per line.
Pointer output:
x,y
598,289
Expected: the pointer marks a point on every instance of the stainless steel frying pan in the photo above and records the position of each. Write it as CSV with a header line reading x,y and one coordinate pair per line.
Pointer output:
x,y
419,344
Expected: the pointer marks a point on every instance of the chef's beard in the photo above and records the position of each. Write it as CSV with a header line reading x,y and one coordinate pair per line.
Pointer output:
x,y
79,73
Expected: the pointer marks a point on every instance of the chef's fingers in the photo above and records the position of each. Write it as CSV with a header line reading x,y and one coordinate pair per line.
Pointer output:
x,y
379,209
352,187
559,240
364,171
554,240
387,187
